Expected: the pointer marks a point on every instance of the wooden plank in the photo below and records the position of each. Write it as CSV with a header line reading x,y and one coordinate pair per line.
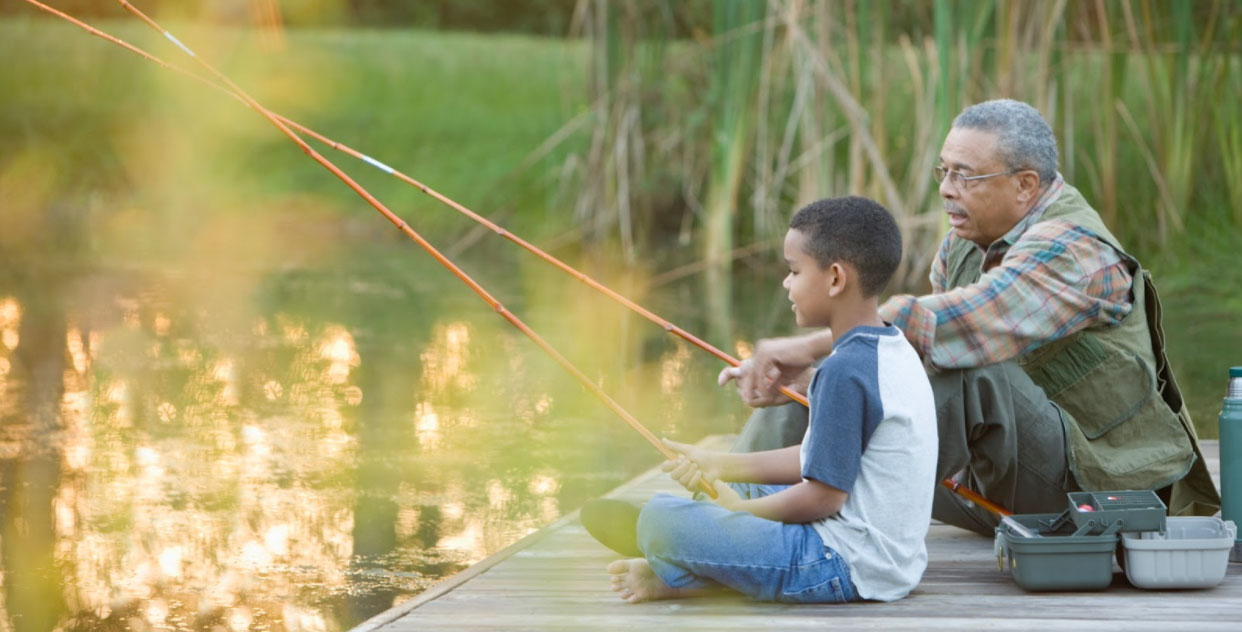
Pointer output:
x,y
555,580
635,489
834,621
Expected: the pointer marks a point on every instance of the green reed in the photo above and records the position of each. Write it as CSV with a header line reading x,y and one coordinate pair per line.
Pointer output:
x,y
855,97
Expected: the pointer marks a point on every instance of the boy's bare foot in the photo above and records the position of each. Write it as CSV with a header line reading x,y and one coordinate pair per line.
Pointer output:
x,y
636,582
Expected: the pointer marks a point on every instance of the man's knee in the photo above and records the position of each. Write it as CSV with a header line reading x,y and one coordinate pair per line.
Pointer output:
x,y
988,384
773,428
1000,426
949,508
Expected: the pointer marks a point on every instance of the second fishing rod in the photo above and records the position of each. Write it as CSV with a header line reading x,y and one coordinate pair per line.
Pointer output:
x,y
665,324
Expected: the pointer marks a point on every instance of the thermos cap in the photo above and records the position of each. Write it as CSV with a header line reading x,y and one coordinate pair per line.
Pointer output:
x,y
1235,371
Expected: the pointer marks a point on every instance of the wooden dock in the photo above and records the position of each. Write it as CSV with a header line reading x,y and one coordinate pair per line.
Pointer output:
x,y
555,580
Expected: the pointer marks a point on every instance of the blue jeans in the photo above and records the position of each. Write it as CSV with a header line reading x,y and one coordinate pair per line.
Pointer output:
x,y
693,544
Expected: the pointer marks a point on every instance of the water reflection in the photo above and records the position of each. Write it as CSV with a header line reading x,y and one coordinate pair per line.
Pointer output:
x,y
223,408
352,444
34,509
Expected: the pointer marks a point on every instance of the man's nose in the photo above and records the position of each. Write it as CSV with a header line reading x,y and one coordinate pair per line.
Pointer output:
x,y
947,190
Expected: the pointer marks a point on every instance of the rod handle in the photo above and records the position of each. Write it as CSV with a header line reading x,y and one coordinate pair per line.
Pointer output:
x,y
974,497
708,488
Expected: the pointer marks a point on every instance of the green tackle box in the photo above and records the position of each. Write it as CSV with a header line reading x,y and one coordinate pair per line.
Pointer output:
x,y
1055,558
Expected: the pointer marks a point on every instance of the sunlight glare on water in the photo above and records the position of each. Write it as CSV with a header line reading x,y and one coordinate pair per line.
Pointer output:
x,y
231,398
304,472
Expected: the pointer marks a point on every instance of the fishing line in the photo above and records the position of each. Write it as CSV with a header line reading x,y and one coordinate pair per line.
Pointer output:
x,y
412,234
584,278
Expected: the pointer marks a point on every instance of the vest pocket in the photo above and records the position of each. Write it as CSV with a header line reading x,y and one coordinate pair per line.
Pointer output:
x,y
1105,452
1108,394
1100,388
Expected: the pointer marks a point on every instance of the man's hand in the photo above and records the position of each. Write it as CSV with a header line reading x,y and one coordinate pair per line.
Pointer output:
x,y
777,362
690,464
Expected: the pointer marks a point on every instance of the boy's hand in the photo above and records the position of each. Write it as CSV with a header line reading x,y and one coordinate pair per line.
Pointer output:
x,y
726,496
690,464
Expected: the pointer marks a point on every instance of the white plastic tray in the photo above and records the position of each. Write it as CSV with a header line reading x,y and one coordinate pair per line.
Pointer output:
x,y
1192,552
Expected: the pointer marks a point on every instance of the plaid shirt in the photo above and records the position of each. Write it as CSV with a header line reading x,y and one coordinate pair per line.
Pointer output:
x,y
1041,282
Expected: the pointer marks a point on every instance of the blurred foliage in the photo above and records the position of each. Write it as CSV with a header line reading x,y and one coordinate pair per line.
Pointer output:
x,y
685,19
546,17
136,152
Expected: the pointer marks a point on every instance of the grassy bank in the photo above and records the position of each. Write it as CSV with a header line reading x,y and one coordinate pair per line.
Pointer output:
x,y
84,122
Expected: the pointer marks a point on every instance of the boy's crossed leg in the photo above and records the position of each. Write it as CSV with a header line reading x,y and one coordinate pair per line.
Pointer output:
x,y
694,547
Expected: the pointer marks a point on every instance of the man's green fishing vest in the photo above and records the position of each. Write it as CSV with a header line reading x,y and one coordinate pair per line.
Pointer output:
x,y
1125,422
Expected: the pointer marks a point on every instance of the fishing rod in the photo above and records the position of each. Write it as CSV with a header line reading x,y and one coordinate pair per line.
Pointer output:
x,y
499,230
665,324
431,250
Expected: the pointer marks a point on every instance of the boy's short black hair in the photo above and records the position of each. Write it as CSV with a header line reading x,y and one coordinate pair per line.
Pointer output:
x,y
855,230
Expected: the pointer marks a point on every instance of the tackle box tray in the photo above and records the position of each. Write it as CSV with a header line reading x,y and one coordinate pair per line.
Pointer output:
x,y
1055,559
1120,511
1192,552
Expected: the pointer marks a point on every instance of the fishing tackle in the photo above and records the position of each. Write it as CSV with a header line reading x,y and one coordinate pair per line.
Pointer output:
x,y
284,124
431,250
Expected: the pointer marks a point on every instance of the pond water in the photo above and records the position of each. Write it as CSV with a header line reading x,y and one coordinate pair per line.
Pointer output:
x,y
302,448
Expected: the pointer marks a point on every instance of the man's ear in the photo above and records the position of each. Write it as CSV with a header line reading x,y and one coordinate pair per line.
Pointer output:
x,y
1028,185
836,278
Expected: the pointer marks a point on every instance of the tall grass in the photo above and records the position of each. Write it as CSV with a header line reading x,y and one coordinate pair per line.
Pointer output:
x,y
1229,136
854,97
734,73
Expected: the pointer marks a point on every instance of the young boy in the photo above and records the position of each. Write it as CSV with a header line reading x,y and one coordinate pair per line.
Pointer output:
x,y
843,516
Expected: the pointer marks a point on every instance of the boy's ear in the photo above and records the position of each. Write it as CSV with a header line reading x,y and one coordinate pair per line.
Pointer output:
x,y
836,278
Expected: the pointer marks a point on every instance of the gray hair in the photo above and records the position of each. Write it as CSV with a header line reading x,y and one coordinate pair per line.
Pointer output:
x,y
1023,137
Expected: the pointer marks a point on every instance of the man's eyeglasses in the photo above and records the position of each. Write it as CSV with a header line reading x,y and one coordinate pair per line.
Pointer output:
x,y
960,181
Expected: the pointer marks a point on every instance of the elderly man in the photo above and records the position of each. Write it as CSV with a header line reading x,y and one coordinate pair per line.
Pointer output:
x,y
1042,337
